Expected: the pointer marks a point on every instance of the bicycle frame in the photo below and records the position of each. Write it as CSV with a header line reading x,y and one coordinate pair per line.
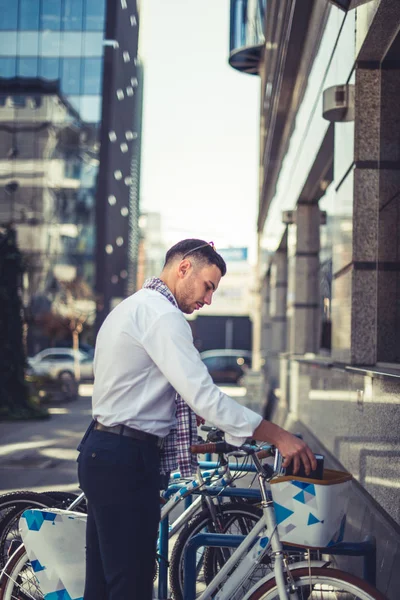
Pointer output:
x,y
254,552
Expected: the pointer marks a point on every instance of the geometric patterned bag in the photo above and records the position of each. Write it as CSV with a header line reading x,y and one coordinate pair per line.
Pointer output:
x,y
55,542
311,512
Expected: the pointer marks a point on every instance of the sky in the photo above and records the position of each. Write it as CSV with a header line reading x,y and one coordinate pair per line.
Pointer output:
x,y
200,142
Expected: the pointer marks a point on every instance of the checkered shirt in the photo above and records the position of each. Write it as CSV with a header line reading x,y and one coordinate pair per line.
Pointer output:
x,y
177,443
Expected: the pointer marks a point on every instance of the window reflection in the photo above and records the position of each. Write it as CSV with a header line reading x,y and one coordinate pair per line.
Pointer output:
x,y
72,44
52,174
94,17
50,43
93,44
50,17
28,14
49,68
27,67
71,75
90,109
28,43
7,66
9,14
72,17
92,76
8,43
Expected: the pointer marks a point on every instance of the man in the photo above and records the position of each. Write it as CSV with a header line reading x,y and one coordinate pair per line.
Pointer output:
x,y
144,356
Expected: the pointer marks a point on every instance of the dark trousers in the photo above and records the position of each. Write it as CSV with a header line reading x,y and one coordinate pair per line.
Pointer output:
x,y
121,480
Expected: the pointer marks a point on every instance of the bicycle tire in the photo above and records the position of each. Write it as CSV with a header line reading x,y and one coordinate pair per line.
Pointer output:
x,y
12,505
229,512
17,579
348,586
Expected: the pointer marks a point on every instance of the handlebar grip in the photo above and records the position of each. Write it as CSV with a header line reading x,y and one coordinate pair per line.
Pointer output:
x,y
212,448
206,428
264,453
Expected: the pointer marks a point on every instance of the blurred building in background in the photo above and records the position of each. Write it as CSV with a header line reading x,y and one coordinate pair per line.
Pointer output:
x,y
327,322
70,114
152,248
226,323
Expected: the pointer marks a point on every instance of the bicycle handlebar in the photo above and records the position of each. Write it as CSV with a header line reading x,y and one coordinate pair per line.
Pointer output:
x,y
212,448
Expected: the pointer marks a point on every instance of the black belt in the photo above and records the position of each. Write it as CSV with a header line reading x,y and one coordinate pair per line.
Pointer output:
x,y
136,434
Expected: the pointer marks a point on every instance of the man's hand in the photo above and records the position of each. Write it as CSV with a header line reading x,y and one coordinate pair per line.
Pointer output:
x,y
294,449
291,447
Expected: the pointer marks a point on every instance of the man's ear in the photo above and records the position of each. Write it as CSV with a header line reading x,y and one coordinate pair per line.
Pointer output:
x,y
183,268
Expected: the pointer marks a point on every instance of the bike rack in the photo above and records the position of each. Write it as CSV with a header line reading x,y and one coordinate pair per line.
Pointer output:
x,y
220,540
228,492
366,549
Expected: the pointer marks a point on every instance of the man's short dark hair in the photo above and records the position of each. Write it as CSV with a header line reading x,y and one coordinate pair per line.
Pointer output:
x,y
200,249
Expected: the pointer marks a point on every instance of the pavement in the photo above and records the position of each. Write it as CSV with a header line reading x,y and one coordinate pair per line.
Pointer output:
x,y
41,455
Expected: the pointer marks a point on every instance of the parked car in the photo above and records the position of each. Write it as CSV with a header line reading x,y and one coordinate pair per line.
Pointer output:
x,y
58,363
226,366
87,348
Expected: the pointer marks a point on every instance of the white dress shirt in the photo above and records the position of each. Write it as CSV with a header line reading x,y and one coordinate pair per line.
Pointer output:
x,y
145,351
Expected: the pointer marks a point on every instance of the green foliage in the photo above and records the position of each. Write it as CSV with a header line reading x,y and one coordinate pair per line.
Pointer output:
x,y
15,400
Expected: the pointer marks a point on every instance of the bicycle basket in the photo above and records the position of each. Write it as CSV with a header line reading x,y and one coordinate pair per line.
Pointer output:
x,y
54,540
311,512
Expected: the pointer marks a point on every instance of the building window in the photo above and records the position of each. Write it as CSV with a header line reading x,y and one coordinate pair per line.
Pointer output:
x,y
49,68
72,17
94,15
72,44
28,14
92,72
50,17
9,14
7,66
28,43
27,67
8,43
71,76
50,43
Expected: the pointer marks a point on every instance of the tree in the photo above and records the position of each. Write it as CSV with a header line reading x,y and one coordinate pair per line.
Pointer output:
x,y
14,393
75,306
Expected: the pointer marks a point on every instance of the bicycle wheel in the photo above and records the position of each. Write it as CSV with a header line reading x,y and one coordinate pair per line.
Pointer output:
x,y
17,580
11,508
321,583
236,518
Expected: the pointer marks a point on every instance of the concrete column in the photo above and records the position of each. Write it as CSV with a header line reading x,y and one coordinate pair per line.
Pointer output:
x,y
303,305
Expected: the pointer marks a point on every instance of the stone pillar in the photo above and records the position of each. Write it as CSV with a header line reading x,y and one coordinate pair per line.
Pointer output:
x,y
265,316
279,273
365,218
388,276
303,302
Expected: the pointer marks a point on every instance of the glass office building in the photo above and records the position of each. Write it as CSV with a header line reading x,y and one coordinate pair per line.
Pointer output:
x,y
51,122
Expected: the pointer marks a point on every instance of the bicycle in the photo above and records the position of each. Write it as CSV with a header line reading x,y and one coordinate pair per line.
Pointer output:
x,y
311,580
18,578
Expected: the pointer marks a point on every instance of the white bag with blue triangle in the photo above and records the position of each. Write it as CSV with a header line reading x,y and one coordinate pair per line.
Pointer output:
x,y
55,544
311,512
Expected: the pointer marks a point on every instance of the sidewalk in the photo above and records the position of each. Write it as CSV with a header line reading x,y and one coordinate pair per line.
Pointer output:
x,y
41,455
